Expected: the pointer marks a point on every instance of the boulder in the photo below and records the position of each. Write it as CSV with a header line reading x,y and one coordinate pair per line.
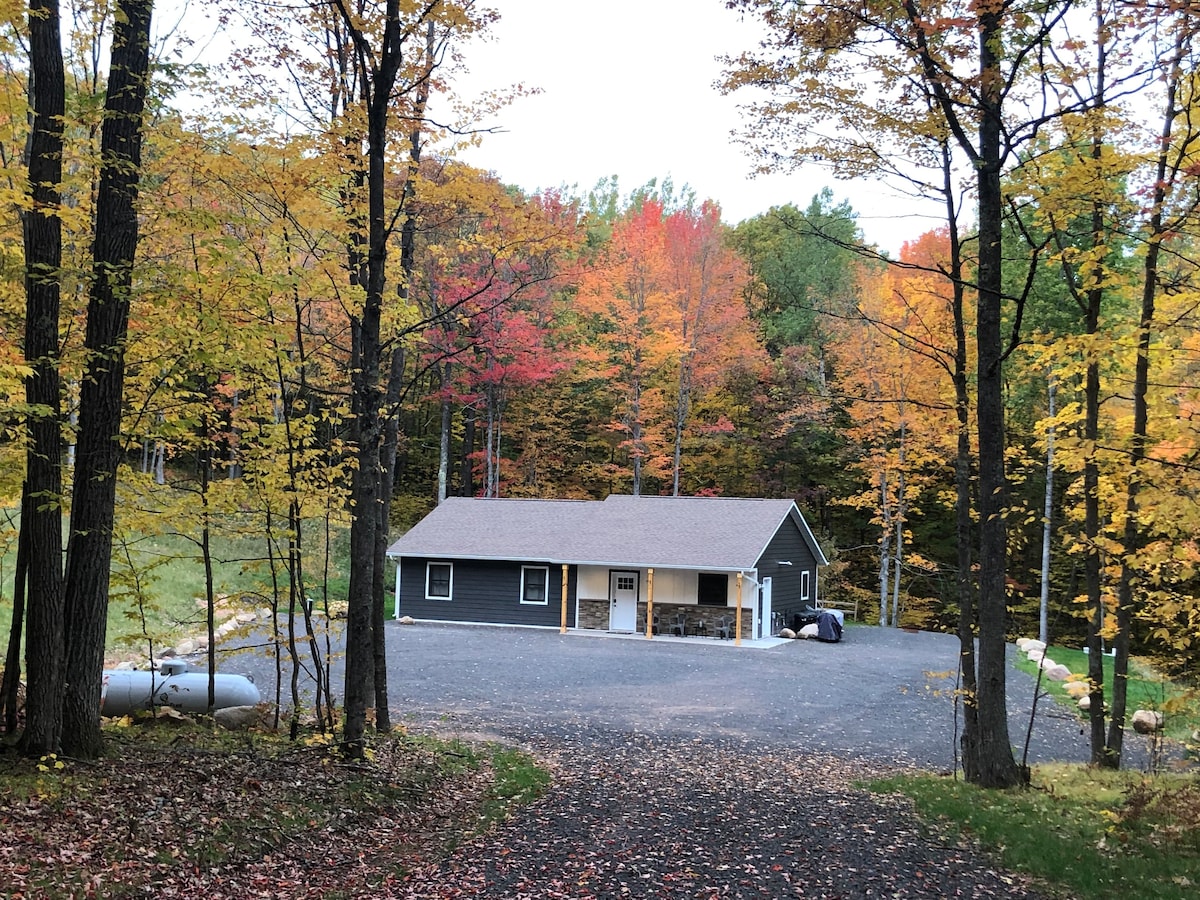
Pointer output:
x,y
808,631
245,618
184,647
1076,689
1035,654
407,620
1147,721
238,718
787,633
1035,644
1085,702
1058,673
1046,663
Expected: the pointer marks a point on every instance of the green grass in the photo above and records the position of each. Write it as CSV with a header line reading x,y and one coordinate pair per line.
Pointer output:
x,y
519,781
1090,833
158,582
1146,690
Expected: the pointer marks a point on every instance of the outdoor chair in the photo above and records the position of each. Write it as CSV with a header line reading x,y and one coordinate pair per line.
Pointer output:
x,y
724,627
679,626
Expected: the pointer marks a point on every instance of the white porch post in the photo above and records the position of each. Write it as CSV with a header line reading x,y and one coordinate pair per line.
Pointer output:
x,y
396,602
737,625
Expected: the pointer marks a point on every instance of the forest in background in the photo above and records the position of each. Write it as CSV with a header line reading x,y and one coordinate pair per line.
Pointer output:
x,y
578,343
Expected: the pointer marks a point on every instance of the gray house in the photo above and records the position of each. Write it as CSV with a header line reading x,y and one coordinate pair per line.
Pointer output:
x,y
703,565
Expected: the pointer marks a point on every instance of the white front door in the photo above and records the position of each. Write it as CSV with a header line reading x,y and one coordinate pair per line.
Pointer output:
x,y
764,609
623,592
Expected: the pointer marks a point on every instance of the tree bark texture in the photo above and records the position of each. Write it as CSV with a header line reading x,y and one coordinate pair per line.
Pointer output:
x,y
42,235
102,389
996,765
16,632
377,79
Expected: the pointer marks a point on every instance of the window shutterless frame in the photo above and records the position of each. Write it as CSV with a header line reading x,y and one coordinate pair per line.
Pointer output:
x,y
804,584
439,581
534,582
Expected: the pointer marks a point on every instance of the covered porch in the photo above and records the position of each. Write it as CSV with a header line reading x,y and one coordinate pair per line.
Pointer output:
x,y
677,602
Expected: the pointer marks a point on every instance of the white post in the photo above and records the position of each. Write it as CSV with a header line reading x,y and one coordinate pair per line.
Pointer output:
x,y
396,602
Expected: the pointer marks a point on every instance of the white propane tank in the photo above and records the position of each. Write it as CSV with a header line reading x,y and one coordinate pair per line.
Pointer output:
x,y
125,691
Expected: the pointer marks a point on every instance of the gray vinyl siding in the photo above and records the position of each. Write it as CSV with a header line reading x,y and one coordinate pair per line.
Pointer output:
x,y
487,592
789,544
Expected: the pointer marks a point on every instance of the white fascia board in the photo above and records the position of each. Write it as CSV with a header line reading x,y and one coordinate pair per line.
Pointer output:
x,y
611,564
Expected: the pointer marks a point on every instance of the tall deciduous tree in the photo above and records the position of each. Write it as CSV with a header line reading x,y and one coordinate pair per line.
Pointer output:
x,y
887,76
708,280
388,56
1079,194
44,651
894,373
629,294
89,550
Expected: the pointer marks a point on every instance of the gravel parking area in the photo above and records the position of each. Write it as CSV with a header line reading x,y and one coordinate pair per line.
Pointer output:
x,y
879,694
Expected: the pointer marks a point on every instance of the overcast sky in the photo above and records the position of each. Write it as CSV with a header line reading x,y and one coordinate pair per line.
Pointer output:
x,y
627,89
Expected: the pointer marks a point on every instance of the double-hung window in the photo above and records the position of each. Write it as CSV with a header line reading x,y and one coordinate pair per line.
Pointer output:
x,y
804,585
533,584
439,581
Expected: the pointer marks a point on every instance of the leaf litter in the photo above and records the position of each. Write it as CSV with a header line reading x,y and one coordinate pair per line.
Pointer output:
x,y
627,815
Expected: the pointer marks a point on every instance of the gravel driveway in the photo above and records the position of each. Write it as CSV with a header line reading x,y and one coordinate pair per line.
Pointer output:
x,y
697,769
879,694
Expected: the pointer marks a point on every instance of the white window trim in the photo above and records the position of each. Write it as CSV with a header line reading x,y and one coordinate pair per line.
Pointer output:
x,y
805,584
546,600
428,595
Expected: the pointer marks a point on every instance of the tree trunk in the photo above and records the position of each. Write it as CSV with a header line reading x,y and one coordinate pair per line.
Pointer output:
x,y
682,405
12,658
898,547
102,390
885,550
376,86
898,554
997,767
42,236
204,467
1141,383
1092,564
635,431
391,440
443,474
466,478
1047,530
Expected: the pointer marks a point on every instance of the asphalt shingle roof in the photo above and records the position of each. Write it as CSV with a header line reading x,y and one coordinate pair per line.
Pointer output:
x,y
669,532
